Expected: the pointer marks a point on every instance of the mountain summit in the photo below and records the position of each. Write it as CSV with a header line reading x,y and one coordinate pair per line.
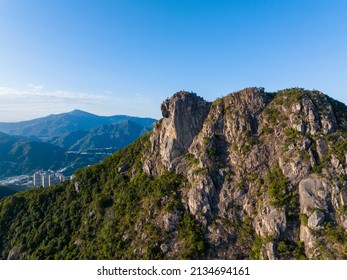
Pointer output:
x,y
56,124
252,175
274,163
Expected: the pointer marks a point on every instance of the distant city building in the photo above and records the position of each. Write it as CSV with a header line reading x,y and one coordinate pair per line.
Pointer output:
x,y
47,178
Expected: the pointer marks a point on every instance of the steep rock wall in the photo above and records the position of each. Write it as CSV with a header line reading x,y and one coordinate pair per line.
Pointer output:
x,y
261,159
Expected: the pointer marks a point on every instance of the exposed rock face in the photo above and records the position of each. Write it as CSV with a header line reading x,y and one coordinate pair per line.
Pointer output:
x,y
77,186
228,148
316,220
271,222
183,117
313,195
15,254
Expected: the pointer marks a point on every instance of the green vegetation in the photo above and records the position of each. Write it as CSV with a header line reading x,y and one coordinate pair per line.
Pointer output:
x,y
284,249
291,136
267,130
290,250
332,241
245,149
206,140
292,94
272,115
277,188
192,160
303,219
318,169
250,142
99,221
337,143
256,248
339,148
191,236
334,234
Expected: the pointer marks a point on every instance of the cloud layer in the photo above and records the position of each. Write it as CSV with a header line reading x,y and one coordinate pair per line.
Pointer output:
x,y
34,101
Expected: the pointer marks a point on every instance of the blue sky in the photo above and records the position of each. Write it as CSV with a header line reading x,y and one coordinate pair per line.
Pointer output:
x,y
126,57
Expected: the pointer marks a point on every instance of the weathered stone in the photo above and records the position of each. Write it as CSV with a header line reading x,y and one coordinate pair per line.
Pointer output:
x,y
125,236
322,147
316,219
77,186
123,168
344,224
297,107
311,191
301,127
343,198
164,248
305,144
335,161
78,242
198,200
232,145
14,254
272,222
312,115
309,240
170,220
184,114
328,120
92,214
294,168
270,251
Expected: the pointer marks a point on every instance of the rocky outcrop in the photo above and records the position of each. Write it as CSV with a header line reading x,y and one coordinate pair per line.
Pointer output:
x,y
316,220
183,117
228,148
313,194
16,254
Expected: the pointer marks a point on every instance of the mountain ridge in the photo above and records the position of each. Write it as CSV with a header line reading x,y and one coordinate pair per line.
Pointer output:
x,y
56,124
78,131
252,175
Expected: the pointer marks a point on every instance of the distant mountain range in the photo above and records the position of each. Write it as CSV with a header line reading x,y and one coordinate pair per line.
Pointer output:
x,y
56,125
75,139
107,136
20,155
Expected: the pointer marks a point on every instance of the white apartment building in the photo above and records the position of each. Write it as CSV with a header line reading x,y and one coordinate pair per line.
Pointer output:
x,y
47,178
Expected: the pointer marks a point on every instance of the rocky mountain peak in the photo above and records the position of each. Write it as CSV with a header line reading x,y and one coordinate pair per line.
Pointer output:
x,y
264,157
183,116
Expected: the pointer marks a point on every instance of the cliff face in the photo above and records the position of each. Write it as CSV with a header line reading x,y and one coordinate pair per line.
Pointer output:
x,y
252,175
273,163
183,116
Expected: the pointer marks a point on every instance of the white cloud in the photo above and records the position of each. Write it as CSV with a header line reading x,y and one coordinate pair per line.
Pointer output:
x,y
34,101
37,92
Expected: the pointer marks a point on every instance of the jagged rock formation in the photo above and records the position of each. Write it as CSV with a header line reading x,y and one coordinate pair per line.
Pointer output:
x,y
183,117
230,149
252,175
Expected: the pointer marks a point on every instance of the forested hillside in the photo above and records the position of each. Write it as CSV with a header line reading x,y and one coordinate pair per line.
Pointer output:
x,y
252,175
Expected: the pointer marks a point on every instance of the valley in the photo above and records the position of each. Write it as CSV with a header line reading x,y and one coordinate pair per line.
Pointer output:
x,y
64,142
